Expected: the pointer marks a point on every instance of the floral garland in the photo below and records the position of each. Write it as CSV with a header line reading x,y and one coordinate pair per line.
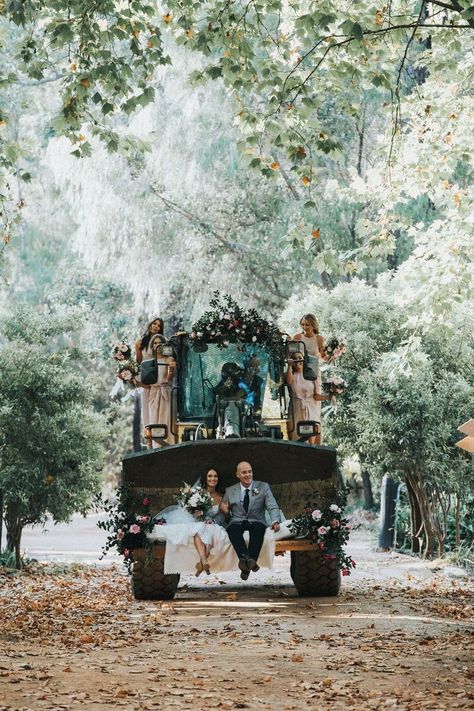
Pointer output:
x,y
227,323
328,530
129,520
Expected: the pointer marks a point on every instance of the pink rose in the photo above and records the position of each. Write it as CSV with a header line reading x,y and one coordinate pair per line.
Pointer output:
x,y
321,546
134,528
120,534
316,515
143,519
353,563
335,523
125,375
322,530
345,571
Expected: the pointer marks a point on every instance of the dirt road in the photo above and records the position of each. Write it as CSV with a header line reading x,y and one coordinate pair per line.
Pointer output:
x,y
400,635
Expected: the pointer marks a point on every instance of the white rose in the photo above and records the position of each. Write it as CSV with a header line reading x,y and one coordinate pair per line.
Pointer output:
x,y
335,508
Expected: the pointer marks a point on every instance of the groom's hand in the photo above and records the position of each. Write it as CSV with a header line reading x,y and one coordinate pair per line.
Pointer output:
x,y
275,526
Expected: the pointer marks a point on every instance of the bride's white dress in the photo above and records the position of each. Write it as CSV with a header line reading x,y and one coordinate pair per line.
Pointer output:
x,y
181,555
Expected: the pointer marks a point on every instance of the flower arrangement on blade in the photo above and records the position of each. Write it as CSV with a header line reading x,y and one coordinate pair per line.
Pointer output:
x,y
227,323
128,522
328,530
196,500
334,348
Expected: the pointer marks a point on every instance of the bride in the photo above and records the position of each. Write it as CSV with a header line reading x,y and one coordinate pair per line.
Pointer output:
x,y
180,528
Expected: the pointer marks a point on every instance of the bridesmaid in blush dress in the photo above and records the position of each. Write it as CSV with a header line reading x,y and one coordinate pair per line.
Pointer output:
x,y
156,398
305,401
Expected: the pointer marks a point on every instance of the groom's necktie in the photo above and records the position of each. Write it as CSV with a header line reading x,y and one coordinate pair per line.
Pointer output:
x,y
246,500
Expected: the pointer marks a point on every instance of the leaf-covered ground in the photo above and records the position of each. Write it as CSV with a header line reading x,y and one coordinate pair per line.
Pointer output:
x,y
400,635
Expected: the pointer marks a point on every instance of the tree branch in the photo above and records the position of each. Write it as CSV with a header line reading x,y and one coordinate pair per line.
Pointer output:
x,y
229,246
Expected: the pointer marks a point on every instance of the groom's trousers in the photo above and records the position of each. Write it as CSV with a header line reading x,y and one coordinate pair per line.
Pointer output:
x,y
256,530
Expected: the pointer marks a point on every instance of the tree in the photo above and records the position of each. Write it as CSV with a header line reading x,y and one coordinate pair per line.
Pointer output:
x,y
51,438
406,427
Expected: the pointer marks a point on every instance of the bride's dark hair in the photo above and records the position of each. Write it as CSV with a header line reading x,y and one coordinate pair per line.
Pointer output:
x,y
219,488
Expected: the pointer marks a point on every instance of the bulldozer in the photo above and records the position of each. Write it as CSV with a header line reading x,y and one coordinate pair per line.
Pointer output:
x,y
228,405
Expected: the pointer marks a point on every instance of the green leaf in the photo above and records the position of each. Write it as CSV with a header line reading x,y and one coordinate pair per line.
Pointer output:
x,y
357,31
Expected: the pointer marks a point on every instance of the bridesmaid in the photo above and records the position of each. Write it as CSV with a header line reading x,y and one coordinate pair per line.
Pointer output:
x,y
310,336
156,398
305,403
314,343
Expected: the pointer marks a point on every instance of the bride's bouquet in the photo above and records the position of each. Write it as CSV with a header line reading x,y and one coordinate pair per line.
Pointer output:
x,y
334,347
196,500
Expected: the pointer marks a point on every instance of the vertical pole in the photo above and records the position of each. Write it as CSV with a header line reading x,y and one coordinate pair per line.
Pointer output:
x,y
136,426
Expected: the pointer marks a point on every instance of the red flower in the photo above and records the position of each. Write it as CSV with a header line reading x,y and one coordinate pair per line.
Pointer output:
x,y
145,501
353,563
321,546
345,571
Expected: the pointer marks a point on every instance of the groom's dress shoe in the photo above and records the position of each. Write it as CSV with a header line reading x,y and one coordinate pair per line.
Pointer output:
x,y
244,568
244,565
254,567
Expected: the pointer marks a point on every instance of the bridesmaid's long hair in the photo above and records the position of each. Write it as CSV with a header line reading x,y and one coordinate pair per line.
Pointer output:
x,y
312,320
147,335
219,488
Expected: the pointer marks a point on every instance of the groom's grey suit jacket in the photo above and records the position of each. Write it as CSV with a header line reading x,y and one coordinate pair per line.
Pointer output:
x,y
258,503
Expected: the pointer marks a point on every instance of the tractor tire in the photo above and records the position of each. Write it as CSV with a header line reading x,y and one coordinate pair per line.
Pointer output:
x,y
313,576
149,582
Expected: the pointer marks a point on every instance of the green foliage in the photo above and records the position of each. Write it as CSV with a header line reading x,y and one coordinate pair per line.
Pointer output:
x,y
51,439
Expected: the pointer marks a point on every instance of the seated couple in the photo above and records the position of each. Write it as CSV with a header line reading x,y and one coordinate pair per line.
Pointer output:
x,y
219,549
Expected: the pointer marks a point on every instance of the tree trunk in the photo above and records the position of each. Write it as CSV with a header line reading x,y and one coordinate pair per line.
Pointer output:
x,y
428,527
458,521
388,498
14,526
368,494
1,518
415,518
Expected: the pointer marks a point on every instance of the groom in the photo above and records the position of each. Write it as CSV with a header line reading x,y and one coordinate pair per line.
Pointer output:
x,y
247,502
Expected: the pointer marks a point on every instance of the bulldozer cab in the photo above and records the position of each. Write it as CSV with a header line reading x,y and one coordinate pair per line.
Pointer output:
x,y
223,390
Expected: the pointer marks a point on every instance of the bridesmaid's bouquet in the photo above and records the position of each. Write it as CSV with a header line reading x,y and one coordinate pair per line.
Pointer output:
x,y
334,347
334,386
122,351
196,500
127,367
